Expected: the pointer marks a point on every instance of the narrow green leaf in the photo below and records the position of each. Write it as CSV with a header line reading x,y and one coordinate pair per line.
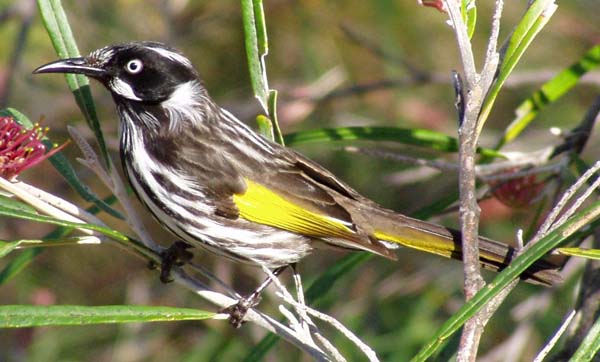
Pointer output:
x,y
50,220
550,92
253,52
20,316
11,203
277,135
265,127
18,116
535,18
580,252
523,28
6,247
415,137
590,346
261,28
61,36
24,258
469,14
18,263
516,268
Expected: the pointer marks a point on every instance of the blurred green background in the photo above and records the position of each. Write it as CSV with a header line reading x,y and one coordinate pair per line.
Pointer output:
x,y
394,306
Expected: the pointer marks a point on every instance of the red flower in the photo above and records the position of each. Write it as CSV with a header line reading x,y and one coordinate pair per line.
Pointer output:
x,y
438,4
21,148
518,193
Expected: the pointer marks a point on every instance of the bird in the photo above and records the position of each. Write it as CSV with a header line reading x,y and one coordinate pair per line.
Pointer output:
x,y
216,184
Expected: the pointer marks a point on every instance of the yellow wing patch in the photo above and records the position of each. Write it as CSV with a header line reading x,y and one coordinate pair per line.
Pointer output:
x,y
420,240
263,206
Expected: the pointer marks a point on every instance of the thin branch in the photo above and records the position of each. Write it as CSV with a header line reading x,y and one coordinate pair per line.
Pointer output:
x,y
552,342
470,98
577,138
549,224
529,163
270,324
463,41
492,57
368,351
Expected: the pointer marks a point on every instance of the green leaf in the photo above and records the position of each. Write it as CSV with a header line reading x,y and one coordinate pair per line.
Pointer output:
x,y
114,234
18,116
61,36
415,137
277,135
534,20
580,252
6,247
18,263
469,14
550,92
11,203
20,316
255,36
590,346
265,127
513,271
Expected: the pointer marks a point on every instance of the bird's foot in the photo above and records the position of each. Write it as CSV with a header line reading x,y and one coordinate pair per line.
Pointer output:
x,y
175,255
237,312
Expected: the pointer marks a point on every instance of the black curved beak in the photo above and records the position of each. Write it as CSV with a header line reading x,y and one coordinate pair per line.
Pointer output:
x,y
72,65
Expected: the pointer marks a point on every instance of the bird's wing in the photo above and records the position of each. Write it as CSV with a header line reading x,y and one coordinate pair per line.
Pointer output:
x,y
304,198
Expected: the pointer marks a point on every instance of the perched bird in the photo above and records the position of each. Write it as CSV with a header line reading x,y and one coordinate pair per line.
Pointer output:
x,y
215,183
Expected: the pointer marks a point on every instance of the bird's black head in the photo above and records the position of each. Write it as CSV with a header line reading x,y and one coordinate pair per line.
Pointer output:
x,y
146,72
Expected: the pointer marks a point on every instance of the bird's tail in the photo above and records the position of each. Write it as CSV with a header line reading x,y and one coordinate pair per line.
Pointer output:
x,y
398,229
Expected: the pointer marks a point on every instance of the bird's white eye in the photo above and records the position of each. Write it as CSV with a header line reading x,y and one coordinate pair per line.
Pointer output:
x,y
134,66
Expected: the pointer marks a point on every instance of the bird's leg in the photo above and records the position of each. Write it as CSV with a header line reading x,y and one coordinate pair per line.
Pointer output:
x,y
175,255
238,311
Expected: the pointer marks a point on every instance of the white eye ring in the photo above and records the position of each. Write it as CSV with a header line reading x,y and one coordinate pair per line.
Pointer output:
x,y
134,66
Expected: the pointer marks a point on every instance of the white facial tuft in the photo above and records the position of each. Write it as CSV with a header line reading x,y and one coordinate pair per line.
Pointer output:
x,y
123,89
172,55
184,105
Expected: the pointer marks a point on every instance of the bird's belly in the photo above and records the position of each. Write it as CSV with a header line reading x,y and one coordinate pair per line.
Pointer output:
x,y
190,215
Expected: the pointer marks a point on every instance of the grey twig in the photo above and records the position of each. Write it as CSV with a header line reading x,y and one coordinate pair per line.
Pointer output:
x,y
577,138
552,342
470,98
